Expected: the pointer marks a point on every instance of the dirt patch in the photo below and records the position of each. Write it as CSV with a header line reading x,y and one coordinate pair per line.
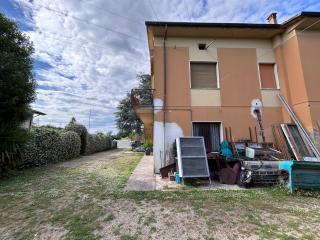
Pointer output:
x,y
92,160
48,232
152,220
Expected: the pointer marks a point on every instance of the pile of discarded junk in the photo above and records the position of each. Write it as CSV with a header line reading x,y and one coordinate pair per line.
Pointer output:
x,y
293,160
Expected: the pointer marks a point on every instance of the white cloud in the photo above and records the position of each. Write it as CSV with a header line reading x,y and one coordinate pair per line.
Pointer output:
x,y
93,68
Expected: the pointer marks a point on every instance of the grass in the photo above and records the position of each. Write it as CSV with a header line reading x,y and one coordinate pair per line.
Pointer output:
x,y
149,220
40,189
87,202
128,237
109,217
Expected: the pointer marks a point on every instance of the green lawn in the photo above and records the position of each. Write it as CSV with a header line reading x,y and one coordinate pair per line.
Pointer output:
x,y
86,201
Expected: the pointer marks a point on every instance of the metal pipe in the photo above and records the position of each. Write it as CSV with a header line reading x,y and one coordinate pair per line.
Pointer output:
x,y
210,44
164,93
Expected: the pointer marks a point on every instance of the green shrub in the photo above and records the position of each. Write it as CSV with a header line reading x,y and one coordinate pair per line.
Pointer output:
x,y
43,147
81,131
98,142
48,145
91,143
147,143
108,142
71,144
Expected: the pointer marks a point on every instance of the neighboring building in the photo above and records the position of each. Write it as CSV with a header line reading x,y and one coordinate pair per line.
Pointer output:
x,y
205,76
28,123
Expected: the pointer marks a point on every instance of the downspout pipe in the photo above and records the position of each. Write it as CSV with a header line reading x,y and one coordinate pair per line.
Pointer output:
x,y
164,93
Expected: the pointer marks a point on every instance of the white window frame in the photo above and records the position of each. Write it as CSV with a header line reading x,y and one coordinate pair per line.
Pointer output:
x,y
217,73
221,127
275,72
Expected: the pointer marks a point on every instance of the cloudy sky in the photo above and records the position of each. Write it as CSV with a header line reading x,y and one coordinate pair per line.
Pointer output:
x,y
88,52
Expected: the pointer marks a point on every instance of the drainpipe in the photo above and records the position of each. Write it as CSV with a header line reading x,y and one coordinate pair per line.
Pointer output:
x,y
164,93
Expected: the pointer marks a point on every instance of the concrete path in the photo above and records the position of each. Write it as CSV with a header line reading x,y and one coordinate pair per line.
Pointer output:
x,y
143,177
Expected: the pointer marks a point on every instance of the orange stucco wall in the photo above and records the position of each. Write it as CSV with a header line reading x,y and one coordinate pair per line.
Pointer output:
x,y
239,83
290,68
182,118
299,71
309,48
158,73
178,90
239,78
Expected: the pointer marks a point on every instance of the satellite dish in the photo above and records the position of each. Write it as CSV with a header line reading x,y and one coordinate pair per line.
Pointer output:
x,y
256,105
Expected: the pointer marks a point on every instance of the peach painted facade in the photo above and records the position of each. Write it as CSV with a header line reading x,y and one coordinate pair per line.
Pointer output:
x,y
237,55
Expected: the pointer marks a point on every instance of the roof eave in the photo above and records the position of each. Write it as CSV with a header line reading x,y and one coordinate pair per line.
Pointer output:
x,y
213,25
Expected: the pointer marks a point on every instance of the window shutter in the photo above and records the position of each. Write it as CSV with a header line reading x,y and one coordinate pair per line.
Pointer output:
x,y
267,76
203,75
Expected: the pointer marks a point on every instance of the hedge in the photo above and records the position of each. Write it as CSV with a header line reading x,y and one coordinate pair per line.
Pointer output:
x,y
50,146
98,143
71,144
81,131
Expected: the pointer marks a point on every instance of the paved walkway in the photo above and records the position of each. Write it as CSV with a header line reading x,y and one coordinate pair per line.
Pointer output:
x,y
143,177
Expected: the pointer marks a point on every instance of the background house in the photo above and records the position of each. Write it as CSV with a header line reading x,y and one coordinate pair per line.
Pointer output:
x,y
28,123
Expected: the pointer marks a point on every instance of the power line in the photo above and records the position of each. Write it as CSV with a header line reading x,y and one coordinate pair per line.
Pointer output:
x,y
108,29
68,39
154,12
113,13
88,47
94,24
90,23
88,98
188,10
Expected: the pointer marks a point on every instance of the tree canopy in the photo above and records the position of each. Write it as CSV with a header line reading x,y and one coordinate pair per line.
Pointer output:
x,y
127,121
17,87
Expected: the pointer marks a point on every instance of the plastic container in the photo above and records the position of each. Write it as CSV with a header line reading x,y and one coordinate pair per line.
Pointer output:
x,y
177,177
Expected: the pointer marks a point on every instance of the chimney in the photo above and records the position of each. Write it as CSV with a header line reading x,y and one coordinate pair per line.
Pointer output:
x,y
272,19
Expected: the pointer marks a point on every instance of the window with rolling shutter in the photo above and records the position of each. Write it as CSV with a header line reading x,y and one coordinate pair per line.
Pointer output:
x,y
203,75
267,76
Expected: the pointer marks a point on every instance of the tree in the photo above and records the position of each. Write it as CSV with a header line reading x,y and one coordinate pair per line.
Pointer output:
x,y
17,88
127,120
145,95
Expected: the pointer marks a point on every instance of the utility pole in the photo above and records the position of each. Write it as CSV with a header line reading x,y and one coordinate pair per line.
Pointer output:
x,y
89,117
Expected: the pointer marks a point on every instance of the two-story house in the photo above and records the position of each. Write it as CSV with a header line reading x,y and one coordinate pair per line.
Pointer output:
x,y
205,76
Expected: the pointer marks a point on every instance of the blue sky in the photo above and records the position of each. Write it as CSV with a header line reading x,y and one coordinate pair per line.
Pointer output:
x,y
88,52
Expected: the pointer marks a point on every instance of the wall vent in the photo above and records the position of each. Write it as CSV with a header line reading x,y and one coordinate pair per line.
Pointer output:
x,y
202,46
